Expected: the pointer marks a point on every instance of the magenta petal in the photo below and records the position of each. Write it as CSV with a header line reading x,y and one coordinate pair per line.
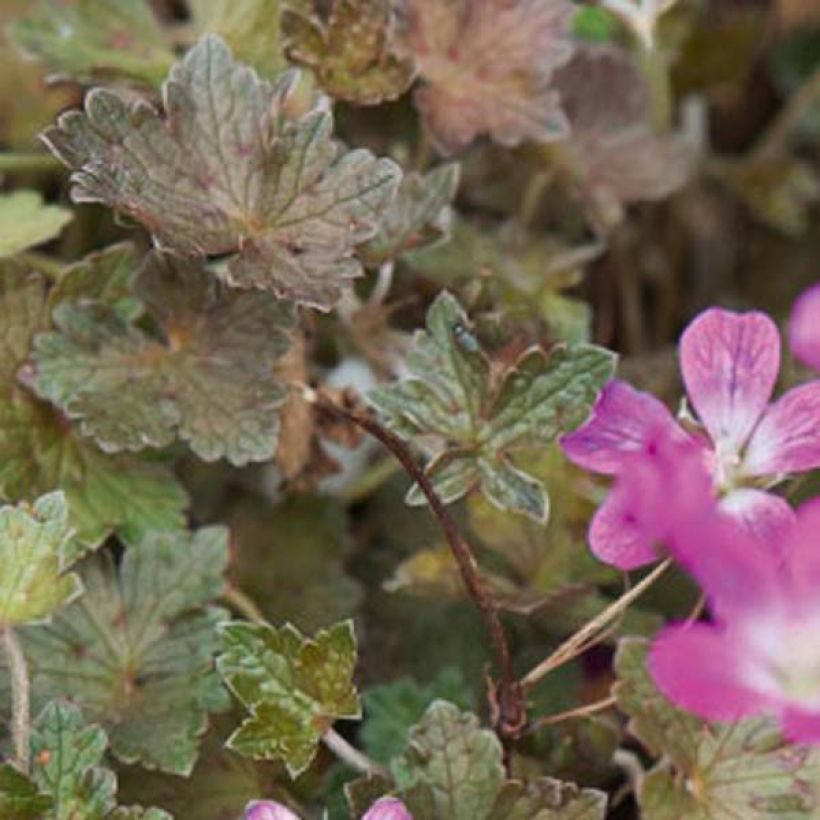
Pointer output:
x,y
801,726
766,516
804,556
730,362
804,328
621,424
616,538
388,808
787,440
699,668
268,810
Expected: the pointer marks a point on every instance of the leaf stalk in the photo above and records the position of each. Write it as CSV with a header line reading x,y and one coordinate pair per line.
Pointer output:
x,y
20,699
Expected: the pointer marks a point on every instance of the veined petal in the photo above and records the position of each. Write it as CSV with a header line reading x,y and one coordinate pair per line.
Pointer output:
x,y
767,516
730,363
787,440
617,538
804,328
700,668
622,423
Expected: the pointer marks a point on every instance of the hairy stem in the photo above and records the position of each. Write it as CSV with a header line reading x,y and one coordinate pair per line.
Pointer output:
x,y
575,643
775,138
579,711
508,697
20,698
243,604
350,755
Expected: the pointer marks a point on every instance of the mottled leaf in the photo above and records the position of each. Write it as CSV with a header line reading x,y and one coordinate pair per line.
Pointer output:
x,y
547,799
294,687
350,49
457,760
418,217
135,652
208,379
33,546
228,171
249,27
96,39
25,221
487,67
471,421
711,771
20,799
39,452
67,755
614,153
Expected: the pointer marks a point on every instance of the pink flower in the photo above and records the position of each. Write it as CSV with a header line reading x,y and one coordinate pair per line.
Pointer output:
x,y
388,808
761,652
268,810
729,362
804,328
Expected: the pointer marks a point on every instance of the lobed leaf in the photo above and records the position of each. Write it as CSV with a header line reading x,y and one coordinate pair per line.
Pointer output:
x,y
471,421
20,799
209,379
547,799
229,172
135,652
419,216
25,221
487,67
39,452
33,547
294,687
711,771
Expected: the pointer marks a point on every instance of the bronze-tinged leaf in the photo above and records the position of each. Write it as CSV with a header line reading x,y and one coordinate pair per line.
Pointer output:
x,y
487,67
230,171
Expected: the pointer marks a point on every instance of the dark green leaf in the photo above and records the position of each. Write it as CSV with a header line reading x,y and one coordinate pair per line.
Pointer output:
x,y
19,797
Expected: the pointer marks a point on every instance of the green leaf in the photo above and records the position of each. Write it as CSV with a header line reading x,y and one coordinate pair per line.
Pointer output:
x,y
19,797
96,39
33,542
25,221
294,687
418,217
472,420
135,652
230,171
208,379
39,452
547,799
392,709
458,761
67,754
249,27
138,813
350,49
711,771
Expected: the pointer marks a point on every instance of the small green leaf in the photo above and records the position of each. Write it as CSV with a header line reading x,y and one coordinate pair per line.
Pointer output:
x,y
96,39
25,221
230,171
547,799
458,761
249,27
711,771
350,49
208,379
418,217
67,754
39,452
135,652
294,687
471,421
33,543
19,797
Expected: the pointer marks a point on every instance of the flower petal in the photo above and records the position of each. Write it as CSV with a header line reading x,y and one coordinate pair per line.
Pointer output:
x,y
388,808
766,516
804,557
622,422
616,537
801,726
730,362
700,668
804,328
787,440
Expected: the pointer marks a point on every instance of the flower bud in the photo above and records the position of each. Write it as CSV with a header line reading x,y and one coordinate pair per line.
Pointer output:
x,y
268,810
388,808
